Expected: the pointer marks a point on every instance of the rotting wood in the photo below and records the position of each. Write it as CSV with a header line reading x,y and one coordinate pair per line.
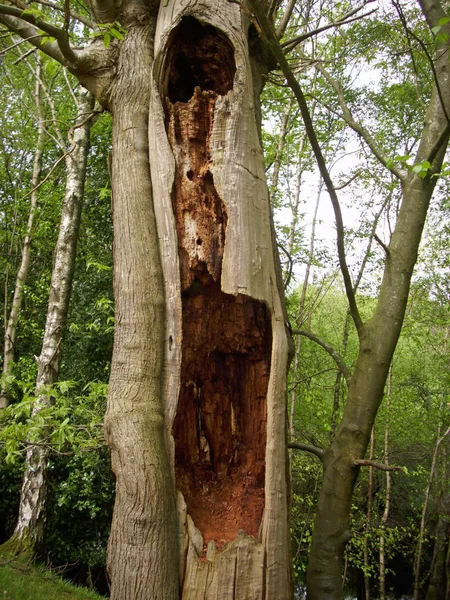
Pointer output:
x,y
223,310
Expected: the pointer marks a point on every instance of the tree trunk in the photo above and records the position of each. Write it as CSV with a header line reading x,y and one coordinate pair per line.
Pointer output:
x,y
418,556
142,547
438,577
198,376
368,528
378,338
387,496
22,275
28,534
225,341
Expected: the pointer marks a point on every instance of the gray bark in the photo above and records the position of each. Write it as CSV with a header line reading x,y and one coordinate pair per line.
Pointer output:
x,y
29,530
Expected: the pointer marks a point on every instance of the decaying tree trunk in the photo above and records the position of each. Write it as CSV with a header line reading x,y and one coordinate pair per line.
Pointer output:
x,y
29,530
225,341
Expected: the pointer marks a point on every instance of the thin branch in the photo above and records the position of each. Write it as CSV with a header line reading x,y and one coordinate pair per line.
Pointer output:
x,y
331,351
382,244
361,462
73,13
349,181
291,44
427,54
290,267
286,18
271,41
307,448
21,41
358,128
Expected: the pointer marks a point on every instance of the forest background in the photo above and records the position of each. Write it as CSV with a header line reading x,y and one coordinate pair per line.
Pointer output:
x,y
367,73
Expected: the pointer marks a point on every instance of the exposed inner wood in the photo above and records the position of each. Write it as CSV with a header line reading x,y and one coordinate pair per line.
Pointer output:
x,y
220,425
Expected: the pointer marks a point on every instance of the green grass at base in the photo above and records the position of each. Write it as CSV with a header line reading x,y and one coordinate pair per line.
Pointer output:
x,y
20,581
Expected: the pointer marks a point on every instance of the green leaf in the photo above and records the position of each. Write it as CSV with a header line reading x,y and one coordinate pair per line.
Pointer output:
x,y
107,39
32,12
116,34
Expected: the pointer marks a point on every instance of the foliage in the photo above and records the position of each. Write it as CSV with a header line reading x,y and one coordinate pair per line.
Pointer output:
x,y
20,581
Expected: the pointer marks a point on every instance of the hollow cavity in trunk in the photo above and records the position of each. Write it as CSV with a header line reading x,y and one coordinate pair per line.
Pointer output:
x,y
220,424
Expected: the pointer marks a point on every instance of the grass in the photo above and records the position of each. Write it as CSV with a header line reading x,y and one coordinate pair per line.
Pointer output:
x,y
25,581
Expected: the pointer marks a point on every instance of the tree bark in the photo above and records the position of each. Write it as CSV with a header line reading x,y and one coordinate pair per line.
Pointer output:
x,y
387,495
224,384
142,547
29,531
378,338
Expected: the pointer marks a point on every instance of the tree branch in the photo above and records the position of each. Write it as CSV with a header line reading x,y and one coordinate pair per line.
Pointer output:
x,y
331,351
382,244
361,462
286,18
15,19
31,34
73,13
307,448
358,128
269,38
289,45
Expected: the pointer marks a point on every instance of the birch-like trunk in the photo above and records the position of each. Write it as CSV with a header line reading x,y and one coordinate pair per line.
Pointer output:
x,y
418,555
22,274
225,342
368,528
438,586
29,531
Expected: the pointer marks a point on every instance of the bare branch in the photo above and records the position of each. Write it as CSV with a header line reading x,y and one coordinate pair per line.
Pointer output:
x,y
271,41
289,45
73,13
349,181
286,17
331,351
307,448
411,34
361,462
358,128
382,244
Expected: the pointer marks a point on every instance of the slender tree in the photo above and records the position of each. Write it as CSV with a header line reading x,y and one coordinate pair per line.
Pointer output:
x,y
28,534
22,274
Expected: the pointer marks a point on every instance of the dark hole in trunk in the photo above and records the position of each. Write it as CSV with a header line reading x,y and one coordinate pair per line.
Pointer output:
x,y
220,425
198,56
